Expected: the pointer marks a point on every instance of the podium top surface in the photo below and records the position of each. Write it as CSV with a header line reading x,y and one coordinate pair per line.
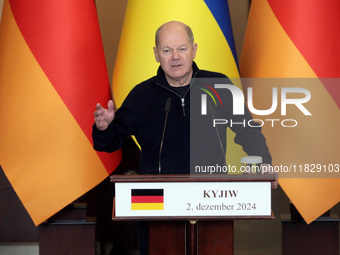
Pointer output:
x,y
194,178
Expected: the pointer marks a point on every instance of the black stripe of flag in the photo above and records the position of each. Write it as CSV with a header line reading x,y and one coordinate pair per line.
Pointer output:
x,y
147,192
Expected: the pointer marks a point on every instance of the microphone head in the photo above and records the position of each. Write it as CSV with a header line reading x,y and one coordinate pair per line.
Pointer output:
x,y
168,104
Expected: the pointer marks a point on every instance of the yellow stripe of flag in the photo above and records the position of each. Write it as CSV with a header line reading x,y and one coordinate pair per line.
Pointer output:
x,y
147,206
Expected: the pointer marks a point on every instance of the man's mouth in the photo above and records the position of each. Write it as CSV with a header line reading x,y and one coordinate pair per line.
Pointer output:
x,y
176,66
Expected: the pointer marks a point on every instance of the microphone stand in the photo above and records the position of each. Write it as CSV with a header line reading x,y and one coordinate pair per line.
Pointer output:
x,y
167,110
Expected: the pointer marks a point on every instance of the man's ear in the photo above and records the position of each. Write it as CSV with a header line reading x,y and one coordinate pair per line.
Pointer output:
x,y
194,49
155,51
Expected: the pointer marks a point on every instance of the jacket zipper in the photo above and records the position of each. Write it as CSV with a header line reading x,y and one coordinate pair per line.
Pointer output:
x,y
182,98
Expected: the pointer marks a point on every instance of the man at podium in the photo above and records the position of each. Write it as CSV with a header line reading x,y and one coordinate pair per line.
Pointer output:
x,y
157,112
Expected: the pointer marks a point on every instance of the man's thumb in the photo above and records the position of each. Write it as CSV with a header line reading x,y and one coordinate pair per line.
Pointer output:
x,y
110,105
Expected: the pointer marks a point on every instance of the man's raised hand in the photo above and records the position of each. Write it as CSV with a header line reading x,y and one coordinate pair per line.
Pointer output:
x,y
103,117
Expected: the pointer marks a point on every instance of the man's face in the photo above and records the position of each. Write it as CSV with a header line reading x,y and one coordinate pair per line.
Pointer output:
x,y
175,54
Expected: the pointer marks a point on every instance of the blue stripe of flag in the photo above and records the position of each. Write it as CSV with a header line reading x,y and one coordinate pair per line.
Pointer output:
x,y
220,11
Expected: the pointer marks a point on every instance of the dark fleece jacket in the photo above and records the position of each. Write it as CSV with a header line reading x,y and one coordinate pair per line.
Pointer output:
x,y
142,114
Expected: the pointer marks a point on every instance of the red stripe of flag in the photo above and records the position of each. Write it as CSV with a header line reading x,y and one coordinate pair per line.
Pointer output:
x,y
318,36
147,199
79,75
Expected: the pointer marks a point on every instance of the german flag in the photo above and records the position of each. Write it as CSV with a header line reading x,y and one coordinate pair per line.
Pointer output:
x,y
300,39
147,199
52,74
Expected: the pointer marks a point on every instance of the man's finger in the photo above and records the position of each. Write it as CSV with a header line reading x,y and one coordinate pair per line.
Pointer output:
x,y
110,105
98,106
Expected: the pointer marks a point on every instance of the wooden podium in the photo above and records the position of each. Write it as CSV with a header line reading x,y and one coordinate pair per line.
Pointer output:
x,y
192,214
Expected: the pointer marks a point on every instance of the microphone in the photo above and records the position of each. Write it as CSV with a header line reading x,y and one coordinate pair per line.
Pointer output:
x,y
211,113
167,110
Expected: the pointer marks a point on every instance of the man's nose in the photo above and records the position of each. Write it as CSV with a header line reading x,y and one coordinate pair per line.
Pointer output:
x,y
175,54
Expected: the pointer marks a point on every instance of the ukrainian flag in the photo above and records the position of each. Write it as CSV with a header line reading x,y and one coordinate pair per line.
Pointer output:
x,y
211,25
